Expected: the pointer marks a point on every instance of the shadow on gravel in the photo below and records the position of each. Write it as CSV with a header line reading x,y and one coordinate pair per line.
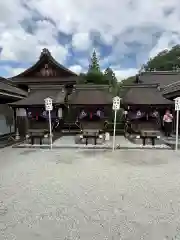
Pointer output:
x,y
145,162
90,152
28,151
64,161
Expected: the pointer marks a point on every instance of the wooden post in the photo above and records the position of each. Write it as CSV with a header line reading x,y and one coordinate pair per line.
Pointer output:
x,y
15,119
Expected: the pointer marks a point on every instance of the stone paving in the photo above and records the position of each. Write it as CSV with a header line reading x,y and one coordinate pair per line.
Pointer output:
x,y
121,142
89,194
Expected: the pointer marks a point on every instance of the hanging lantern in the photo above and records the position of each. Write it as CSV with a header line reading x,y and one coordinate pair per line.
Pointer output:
x,y
91,115
98,113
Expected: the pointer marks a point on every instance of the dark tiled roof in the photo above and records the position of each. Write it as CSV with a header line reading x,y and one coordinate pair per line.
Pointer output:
x,y
145,96
44,79
173,87
162,78
92,86
89,96
7,86
37,97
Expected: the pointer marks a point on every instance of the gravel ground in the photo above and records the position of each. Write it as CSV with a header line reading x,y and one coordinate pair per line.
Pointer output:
x,y
71,194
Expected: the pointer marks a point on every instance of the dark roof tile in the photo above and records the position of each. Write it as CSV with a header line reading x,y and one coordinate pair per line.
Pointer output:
x,y
7,86
162,78
145,96
85,96
173,87
37,97
19,80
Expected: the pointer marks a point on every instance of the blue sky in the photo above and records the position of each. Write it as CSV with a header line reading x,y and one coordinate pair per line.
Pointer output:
x,y
125,34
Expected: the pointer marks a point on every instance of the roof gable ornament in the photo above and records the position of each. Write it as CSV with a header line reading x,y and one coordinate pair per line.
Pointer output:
x,y
45,52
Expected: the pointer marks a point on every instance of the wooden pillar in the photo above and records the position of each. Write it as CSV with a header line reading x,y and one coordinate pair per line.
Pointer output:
x,y
22,124
174,122
15,120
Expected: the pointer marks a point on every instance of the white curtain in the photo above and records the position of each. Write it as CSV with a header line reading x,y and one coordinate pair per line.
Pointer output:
x,y
60,113
21,112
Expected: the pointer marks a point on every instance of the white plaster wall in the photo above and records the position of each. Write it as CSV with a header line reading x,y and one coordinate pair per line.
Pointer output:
x,y
4,127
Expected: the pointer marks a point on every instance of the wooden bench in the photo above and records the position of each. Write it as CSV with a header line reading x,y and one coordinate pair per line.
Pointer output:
x,y
37,134
70,128
91,135
149,134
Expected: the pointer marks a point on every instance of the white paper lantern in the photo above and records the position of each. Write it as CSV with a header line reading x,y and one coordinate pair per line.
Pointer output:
x,y
177,104
116,103
48,104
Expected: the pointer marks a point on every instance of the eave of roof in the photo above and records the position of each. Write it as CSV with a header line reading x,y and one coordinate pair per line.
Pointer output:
x,y
41,80
162,78
36,98
86,96
145,96
171,88
8,87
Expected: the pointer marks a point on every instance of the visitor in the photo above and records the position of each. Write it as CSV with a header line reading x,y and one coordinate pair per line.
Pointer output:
x,y
167,123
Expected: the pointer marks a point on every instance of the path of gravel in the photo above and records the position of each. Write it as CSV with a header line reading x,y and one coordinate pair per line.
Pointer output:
x,y
71,194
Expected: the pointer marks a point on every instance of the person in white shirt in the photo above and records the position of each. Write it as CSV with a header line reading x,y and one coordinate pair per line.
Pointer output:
x,y
167,122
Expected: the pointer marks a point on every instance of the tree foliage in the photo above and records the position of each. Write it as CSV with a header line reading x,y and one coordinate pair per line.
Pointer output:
x,y
122,91
111,79
94,74
166,60
110,76
94,66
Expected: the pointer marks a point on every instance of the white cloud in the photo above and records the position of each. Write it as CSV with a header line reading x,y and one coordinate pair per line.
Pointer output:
x,y
81,41
165,42
125,73
16,71
12,12
108,18
19,45
76,68
13,71
117,22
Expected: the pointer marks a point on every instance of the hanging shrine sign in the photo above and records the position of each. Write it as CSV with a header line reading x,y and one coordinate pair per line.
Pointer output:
x,y
116,107
49,108
177,108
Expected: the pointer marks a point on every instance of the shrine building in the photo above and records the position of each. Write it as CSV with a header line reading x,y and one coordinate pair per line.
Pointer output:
x,y
73,103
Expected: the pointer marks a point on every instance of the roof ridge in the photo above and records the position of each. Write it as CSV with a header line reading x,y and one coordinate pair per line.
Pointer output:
x,y
161,72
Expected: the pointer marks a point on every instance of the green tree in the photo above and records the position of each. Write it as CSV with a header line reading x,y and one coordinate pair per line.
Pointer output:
x,y
94,74
121,86
166,60
111,80
94,65
82,78
96,78
110,76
